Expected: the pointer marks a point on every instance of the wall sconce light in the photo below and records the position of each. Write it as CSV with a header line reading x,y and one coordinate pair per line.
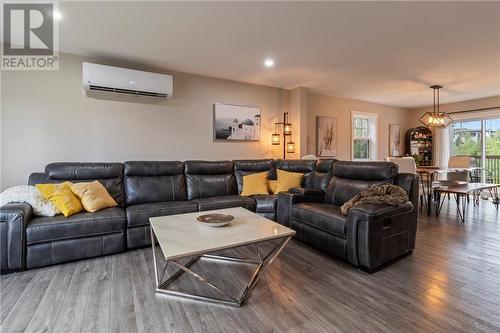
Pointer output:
x,y
290,147
275,139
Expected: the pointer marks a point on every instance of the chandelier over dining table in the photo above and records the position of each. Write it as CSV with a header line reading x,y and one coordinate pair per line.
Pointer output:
x,y
436,118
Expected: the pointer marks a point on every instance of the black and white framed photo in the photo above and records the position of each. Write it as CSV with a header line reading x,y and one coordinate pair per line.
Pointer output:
x,y
236,122
326,133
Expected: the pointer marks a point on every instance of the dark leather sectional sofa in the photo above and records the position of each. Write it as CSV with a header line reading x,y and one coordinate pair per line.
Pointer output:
x,y
368,237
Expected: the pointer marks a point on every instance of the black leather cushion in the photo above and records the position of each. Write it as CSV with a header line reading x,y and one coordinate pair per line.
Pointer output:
x,y
307,167
351,178
323,174
365,170
265,203
50,253
139,214
43,229
154,181
321,216
245,167
226,201
108,174
37,178
205,179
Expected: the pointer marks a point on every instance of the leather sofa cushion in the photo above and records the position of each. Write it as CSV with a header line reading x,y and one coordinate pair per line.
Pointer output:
x,y
245,167
341,190
138,215
226,201
205,179
154,181
323,174
43,229
265,203
321,216
351,178
369,171
108,174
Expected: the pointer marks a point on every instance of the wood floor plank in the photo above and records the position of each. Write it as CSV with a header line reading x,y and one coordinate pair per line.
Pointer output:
x,y
45,317
96,317
71,315
23,310
121,312
147,312
13,291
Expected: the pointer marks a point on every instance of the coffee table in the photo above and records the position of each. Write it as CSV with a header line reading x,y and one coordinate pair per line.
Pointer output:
x,y
182,236
462,192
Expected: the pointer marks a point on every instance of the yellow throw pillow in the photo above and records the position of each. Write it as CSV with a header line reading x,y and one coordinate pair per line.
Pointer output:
x,y
255,183
287,180
93,195
272,185
62,197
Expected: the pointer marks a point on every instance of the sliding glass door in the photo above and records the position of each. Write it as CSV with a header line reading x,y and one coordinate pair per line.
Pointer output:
x,y
492,147
478,138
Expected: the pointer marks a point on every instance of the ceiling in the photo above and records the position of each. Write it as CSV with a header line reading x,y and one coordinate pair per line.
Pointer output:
x,y
384,52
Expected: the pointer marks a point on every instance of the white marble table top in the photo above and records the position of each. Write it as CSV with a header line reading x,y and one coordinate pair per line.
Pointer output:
x,y
182,235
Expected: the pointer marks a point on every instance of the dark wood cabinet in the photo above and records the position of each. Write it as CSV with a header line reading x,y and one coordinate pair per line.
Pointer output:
x,y
418,141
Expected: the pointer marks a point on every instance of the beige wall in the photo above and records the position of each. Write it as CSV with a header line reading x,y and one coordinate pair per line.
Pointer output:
x,y
488,102
340,108
45,117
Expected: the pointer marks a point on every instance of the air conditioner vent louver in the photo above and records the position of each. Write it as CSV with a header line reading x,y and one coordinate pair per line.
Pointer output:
x,y
127,91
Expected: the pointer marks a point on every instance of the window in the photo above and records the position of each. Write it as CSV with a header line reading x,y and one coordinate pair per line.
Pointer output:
x,y
364,136
478,138
361,149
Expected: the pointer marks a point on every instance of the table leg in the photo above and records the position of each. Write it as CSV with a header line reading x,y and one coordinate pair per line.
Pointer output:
x,y
461,210
494,197
426,193
429,195
440,203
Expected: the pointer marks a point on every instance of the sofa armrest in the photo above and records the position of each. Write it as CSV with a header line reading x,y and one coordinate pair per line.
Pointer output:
x,y
13,220
286,200
373,212
378,234
307,191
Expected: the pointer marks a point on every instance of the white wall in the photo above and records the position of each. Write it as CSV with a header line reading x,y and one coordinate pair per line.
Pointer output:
x,y
45,117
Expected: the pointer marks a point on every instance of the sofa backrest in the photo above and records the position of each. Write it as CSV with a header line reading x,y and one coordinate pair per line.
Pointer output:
x,y
108,174
351,178
307,167
153,181
323,174
206,179
245,167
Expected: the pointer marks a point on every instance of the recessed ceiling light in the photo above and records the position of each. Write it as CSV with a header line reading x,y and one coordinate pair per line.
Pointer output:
x,y
269,63
57,15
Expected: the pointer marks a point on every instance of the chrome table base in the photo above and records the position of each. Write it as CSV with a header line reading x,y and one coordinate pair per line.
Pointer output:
x,y
162,282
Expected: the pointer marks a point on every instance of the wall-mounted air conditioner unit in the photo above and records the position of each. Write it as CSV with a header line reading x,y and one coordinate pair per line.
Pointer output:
x,y
116,80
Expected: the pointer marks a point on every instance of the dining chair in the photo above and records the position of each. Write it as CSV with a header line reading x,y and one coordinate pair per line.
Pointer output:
x,y
408,165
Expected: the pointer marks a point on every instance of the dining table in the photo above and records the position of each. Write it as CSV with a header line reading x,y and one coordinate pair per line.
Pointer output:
x,y
428,174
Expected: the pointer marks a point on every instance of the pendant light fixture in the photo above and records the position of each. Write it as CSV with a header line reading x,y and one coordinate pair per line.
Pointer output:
x,y
436,118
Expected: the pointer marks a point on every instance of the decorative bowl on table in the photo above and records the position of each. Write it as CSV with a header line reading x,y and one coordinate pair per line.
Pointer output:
x,y
215,219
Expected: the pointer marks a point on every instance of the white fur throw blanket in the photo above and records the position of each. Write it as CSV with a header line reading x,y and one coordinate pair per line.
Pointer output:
x,y
29,195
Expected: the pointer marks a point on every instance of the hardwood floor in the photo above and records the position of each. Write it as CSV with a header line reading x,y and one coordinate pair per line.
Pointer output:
x,y
451,283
